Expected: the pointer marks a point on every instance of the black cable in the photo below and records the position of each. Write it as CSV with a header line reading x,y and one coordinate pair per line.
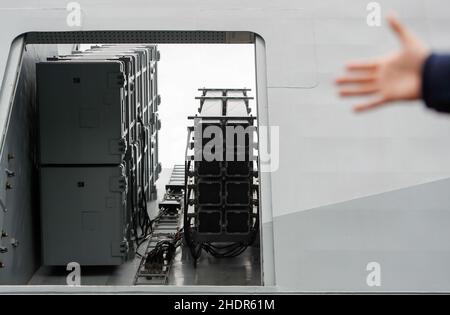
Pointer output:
x,y
142,220
164,251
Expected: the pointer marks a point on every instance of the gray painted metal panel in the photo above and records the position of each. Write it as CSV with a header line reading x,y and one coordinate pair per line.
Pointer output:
x,y
19,218
327,155
83,214
81,112
331,246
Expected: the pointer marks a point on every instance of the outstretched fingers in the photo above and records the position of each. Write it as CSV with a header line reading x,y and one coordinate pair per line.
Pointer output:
x,y
370,105
399,29
366,89
355,80
366,66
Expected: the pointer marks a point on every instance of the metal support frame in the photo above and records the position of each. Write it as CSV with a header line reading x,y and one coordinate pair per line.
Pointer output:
x,y
166,226
191,226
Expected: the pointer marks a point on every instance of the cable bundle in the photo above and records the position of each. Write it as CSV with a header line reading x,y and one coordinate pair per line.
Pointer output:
x,y
163,253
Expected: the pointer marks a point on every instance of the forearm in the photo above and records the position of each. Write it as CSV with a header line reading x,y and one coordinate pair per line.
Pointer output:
x,y
436,82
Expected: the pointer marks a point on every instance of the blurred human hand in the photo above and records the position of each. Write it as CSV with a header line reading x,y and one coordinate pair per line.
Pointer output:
x,y
395,77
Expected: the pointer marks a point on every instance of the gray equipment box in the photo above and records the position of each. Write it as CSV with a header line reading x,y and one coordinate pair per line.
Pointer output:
x,y
84,215
130,62
82,112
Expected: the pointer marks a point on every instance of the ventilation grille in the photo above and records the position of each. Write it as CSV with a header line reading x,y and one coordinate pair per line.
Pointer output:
x,y
90,37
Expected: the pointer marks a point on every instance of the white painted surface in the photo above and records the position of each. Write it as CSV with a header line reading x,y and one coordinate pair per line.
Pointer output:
x,y
327,153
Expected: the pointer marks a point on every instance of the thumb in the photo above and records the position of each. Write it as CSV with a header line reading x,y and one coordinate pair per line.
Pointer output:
x,y
400,30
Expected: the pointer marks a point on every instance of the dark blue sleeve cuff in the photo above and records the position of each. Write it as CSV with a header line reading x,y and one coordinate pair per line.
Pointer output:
x,y
436,82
